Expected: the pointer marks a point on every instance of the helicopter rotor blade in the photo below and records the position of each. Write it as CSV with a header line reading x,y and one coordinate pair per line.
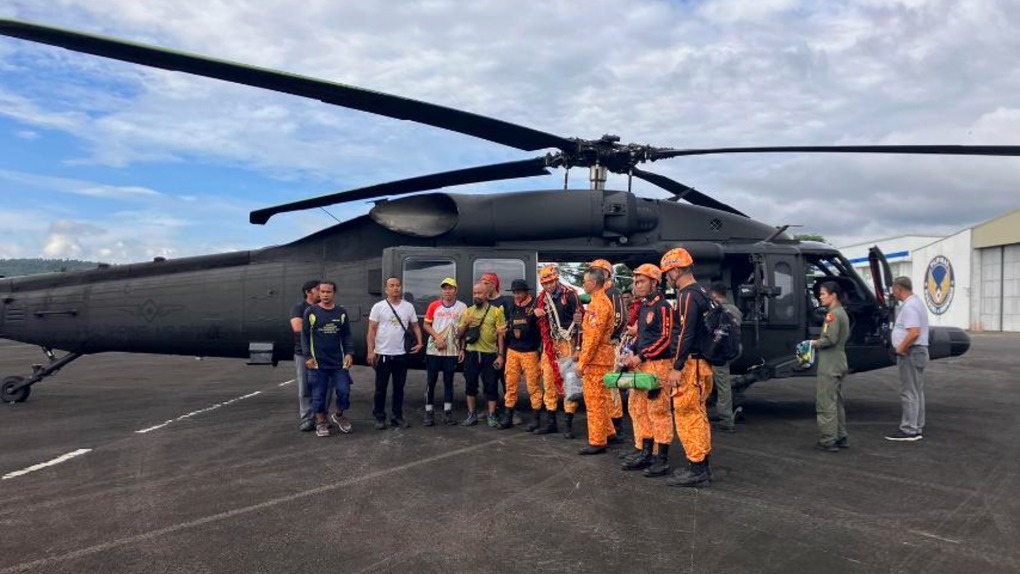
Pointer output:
x,y
383,104
687,193
494,172
985,150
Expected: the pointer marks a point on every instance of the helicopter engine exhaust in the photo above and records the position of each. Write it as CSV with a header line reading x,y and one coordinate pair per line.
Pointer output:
x,y
490,218
947,342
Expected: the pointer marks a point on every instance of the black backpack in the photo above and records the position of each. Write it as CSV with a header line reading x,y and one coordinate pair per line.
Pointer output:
x,y
720,341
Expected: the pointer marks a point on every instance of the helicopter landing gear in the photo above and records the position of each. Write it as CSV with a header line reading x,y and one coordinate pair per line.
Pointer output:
x,y
15,389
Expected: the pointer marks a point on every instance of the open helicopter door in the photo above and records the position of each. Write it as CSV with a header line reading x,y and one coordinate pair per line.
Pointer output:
x,y
881,275
422,269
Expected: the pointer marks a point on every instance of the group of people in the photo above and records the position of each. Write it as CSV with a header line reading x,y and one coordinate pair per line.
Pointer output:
x,y
549,339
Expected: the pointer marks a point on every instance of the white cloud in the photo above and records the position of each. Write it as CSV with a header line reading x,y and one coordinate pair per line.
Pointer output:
x,y
717,73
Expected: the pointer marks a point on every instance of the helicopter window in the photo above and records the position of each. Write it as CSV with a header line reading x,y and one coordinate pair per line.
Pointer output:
x,y
422,278
784,307
506,269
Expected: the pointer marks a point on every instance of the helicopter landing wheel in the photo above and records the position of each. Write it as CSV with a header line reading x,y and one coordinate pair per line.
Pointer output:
x,y
9,395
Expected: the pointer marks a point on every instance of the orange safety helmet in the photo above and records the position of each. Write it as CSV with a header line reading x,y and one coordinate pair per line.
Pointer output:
x,y
603,265
649,270
674,258
548,273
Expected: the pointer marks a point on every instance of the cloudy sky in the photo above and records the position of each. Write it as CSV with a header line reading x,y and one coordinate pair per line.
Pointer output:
x,y
110,161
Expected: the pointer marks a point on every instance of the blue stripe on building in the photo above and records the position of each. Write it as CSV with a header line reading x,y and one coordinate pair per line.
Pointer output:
x,y
895,255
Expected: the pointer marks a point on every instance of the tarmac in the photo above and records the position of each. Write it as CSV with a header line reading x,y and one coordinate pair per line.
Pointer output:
x,y
222,481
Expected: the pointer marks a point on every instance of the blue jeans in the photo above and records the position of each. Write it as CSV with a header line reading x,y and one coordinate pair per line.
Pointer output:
x,y
322,380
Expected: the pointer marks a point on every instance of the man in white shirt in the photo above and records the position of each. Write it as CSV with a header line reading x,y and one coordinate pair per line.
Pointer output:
x,y
443,350
910,341
388,322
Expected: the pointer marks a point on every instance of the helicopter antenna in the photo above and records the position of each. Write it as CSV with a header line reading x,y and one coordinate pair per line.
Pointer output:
x,y
630,179
566,179
330,214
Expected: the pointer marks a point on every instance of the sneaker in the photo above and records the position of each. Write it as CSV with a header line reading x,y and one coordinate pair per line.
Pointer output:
x,y
827,447
493,420
901,436
399,423
322,430
471,420
724,427
341,422
843,442
430,418
448,418
380,424
307,425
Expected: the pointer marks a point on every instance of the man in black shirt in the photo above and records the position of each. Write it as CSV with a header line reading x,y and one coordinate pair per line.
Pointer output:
x,y
327,346
690,379
297,314
496,299
522,356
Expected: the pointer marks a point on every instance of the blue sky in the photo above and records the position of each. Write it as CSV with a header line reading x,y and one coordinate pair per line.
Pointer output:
x,y
110,161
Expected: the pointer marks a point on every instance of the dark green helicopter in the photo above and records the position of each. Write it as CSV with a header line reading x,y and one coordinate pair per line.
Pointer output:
x,y
190,306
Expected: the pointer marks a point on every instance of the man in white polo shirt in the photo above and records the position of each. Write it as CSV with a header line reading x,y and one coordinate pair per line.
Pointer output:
x,y
388,322
910,341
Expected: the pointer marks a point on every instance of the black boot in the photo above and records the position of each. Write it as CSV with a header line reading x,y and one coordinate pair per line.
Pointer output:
x,y
592,449
618,426
549,428
643,460
660,464
569,424
536,422
696,474
508,419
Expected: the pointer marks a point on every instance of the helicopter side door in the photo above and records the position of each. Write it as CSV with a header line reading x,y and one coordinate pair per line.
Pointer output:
x,y
422,269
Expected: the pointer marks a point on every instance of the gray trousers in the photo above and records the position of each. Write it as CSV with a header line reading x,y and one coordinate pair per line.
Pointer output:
x,y
829,408
911,368
303,392
723,394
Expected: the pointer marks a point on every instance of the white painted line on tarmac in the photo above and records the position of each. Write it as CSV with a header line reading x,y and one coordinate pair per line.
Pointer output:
x,y
198,412
285,383
42,465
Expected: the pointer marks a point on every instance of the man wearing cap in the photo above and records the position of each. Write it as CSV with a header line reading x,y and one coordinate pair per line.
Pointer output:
x,y
690,379
555,311
597,357
656,337
522,347
619,328
443,349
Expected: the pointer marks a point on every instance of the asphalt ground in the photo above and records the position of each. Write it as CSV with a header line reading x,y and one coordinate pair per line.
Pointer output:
x,y
237,488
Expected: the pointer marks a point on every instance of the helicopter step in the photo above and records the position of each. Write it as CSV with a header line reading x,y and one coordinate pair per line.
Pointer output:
x,y
15,389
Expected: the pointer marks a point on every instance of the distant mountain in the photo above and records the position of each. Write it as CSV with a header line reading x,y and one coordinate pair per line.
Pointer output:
x,y
16,267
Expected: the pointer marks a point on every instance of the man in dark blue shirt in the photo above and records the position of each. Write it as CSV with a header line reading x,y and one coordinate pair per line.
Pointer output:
x,y
297,316
327,347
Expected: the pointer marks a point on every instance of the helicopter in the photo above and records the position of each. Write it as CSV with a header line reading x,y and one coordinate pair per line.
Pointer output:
x,y
190,306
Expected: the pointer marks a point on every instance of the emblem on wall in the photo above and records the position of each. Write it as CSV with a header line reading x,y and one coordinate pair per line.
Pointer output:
x,y
939,284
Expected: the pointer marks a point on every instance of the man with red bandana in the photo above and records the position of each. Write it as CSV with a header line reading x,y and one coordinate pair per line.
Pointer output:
x,y
555,311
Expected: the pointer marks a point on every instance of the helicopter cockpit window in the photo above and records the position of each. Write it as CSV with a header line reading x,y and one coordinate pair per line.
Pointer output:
x,y
422,278
506,269
784,308
822,268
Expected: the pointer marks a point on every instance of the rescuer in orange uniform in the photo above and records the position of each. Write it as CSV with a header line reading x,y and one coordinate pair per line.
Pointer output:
x,y
619,328
523,342
653,354
555,311
596,359
690,379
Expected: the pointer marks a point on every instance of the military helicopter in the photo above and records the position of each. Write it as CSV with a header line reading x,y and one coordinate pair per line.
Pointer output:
x,y
190,306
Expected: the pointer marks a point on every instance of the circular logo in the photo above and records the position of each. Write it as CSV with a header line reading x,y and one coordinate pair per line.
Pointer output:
x,y
939,284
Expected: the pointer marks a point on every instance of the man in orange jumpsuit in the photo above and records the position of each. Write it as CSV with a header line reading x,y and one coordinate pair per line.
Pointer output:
x,y
619,329
690,379
555,311
596,359
523,341
653,354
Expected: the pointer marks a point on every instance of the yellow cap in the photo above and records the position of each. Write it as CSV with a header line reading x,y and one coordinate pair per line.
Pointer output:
x,y
449,281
